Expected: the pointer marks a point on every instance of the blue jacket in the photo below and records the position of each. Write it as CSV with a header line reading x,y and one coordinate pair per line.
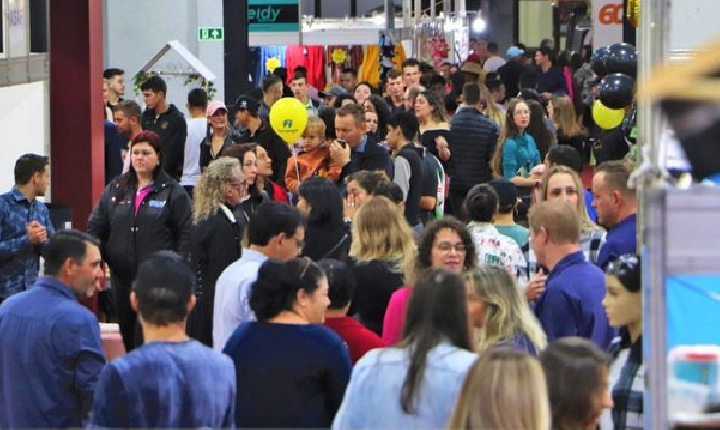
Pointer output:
x,y
473,138
621,240
19,259
50,358
572,302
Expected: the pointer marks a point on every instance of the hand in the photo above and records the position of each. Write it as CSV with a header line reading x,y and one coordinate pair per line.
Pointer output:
x,y
349,207
442,148
338,154
535,287
36,232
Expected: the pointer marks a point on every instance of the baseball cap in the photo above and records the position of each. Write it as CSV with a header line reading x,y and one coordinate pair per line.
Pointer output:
x,y
506,191
247,103
333,91
214,106
514,51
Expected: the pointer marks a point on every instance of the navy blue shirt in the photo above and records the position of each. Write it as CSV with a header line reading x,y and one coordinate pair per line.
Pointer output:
x,y
50,358
621,240
572,302
167,385
19,258
552,81
288,375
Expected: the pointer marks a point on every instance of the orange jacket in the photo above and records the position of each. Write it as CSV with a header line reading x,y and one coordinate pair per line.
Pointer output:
x,y
316,162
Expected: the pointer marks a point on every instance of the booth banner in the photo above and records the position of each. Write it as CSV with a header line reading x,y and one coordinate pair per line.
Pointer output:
x,y
269,16
607,22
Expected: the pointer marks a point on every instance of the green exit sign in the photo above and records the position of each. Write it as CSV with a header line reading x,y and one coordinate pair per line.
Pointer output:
x,y
210,33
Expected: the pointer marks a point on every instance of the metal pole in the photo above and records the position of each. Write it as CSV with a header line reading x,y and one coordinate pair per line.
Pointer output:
x,y
389,15
653,42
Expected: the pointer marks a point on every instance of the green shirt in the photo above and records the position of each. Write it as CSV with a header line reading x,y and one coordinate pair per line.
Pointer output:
x,y
517,232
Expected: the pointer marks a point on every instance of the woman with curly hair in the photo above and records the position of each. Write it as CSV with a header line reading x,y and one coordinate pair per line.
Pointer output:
x,y
446,244
215,236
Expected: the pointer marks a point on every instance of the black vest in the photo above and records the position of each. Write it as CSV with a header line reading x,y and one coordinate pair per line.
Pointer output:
x,y
417,172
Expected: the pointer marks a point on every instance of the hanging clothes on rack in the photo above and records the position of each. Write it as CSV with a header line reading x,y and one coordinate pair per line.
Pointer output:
x,y
370,67
266,53
312,58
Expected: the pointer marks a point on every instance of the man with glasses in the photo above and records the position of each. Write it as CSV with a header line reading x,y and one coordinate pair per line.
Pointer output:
x,y
275,231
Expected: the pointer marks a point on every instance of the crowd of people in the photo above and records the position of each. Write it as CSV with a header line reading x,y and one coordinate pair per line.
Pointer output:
x,y
428,255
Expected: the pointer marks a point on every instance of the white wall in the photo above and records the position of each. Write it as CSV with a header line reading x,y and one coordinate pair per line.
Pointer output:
x,y
23,127
135,30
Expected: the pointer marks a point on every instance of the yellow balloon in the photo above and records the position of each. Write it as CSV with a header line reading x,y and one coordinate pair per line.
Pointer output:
x,y
607,118
288,118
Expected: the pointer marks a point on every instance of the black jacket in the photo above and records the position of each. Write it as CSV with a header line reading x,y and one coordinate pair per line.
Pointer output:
x,y
473,138
172,129
322,242
375,158
216,243
126,239
206,155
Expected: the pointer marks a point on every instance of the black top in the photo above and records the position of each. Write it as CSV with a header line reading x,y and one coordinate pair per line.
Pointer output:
x,y
288,375
552,81
612,145
510,73
577,142
413,155
430,184
473,138
172,129
321,242
376,281
392,107
276,148
216,243
162,222
206,154
427,139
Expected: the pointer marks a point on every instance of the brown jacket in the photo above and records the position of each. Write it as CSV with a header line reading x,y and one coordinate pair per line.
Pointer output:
x,y
316,162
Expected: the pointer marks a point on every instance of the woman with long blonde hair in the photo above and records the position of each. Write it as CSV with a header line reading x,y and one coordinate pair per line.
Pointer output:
x,y
505,389
382,246
569,130
563,184
215,237
499,312
491,110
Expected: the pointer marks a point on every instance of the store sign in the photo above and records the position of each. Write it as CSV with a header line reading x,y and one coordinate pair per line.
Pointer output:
x,y
607,22
273,16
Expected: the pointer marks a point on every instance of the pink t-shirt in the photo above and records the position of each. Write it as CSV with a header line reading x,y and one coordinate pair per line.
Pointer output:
x,y
140,196
395,316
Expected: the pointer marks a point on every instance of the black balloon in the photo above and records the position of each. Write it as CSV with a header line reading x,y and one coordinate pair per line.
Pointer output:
x,y
598,61
622,58
616,90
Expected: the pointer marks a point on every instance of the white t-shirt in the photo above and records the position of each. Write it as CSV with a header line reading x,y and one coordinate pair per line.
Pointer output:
x,y
492,64
196,132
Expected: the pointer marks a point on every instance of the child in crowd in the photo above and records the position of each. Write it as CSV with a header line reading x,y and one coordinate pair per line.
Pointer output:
x,y
314,160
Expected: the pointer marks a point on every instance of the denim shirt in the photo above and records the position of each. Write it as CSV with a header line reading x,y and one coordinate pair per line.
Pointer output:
x,y
19,259
50,358
372,399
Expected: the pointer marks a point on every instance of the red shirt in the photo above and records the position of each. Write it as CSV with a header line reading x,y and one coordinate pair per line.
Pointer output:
x,y
358,338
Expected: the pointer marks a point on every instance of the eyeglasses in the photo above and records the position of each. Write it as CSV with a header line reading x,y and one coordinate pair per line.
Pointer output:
x,y
300,245
447,247
308,263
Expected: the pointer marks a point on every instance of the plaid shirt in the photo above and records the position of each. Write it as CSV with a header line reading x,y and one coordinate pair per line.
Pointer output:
x,y
19,259
627,384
